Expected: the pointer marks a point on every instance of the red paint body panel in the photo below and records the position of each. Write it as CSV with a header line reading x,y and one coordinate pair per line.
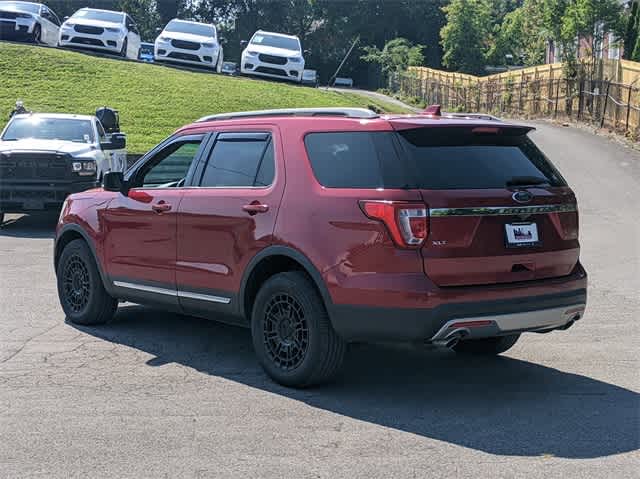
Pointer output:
x,y
140,243
207,240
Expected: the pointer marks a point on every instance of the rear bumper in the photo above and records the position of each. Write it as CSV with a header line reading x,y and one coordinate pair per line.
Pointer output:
x,y
518,309
24,197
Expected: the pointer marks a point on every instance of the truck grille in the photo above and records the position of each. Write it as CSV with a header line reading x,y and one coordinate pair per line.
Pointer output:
x,y
184,45
89,29
272,59
34,166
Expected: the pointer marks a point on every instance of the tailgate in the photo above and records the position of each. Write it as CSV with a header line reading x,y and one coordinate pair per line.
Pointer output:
x,y
499,212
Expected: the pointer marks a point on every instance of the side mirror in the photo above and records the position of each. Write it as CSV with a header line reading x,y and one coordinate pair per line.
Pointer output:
x,y
66,18
158,29
117,141
113,181
307,52
244,43
222,40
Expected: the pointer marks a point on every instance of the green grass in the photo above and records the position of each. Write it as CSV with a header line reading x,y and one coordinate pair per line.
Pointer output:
x,y
153,100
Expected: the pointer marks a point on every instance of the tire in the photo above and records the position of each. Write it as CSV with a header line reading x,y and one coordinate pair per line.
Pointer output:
x,y
123,50
37,34
1,219
299,353
488,346
220,61
80,288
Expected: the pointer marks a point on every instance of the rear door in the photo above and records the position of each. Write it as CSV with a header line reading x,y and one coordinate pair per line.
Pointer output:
x,y
499,212
228,217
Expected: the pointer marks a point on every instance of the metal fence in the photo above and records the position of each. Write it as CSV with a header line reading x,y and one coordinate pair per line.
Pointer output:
x,y
604,103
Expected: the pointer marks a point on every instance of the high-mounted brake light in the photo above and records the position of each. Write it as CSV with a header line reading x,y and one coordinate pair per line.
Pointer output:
x,y
408,223
432,110
487,130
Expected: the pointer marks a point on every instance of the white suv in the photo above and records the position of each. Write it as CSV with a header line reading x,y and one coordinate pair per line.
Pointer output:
x,y
192,43
273,55
28,21
103,30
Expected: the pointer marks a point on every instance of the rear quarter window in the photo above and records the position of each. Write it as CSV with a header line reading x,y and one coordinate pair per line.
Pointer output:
x,y
355,160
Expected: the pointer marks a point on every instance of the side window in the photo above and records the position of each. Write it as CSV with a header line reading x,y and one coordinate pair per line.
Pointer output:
x,y
101,132
355,160
240,160
169,167
54,18
131,26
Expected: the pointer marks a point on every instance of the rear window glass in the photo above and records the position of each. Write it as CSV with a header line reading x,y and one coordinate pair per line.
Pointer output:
x,y
458,158
355,160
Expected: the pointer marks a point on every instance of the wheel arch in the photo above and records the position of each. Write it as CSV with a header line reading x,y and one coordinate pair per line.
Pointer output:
x,y
69,233
273,260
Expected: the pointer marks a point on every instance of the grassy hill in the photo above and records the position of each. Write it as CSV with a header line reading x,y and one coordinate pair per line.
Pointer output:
x,y
153,100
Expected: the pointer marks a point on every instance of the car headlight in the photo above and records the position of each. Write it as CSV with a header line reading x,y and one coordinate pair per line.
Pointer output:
x,y
295,59
164,39
113,29
252,53
68,25
84,168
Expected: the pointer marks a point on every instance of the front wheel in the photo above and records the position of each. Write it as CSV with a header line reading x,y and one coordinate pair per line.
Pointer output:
x,y
1,219
220,61
80,288
292,334
487,346
37,34
123,51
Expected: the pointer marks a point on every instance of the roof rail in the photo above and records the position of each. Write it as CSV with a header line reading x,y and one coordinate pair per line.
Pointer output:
x,y
476,116
361,113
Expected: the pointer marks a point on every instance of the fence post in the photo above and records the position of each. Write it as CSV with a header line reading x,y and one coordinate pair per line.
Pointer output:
x,y
626,127
555,112
604,108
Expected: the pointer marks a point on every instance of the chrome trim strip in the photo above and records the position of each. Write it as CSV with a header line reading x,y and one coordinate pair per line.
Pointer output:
x,y
171,292
204,297
537,320
503,210
142,287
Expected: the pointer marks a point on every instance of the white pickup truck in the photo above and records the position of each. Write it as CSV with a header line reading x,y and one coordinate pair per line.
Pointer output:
x,y
45,156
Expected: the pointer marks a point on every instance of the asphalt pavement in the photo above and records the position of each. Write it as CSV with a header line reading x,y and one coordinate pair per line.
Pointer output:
x,y
154,394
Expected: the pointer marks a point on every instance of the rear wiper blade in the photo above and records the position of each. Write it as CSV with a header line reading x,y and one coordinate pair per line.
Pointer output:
x,y
527,181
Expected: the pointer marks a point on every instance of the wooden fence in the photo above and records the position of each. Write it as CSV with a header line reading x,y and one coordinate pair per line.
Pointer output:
x,y
611,99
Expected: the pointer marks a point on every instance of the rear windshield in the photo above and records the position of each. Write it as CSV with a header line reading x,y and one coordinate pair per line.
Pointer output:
x,y
458,158
429,158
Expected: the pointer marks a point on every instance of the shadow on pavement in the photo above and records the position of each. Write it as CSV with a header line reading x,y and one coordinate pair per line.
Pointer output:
x,y
500,406
37,225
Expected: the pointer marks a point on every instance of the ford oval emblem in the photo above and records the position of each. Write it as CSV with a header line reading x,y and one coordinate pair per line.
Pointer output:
x,y
522,196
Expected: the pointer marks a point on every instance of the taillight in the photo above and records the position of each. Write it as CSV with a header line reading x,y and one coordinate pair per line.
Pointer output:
x,y
567,224
408,223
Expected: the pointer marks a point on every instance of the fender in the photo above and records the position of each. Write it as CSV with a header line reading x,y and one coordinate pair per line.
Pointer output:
x,y
293,254
74,227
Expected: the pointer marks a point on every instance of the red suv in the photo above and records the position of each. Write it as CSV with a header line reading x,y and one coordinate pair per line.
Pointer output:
x,y
320,227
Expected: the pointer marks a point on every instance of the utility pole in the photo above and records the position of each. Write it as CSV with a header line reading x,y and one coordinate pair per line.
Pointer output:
x,y
353,45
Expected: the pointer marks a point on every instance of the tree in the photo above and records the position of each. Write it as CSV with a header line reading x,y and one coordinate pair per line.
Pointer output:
x,y
396,56
521,35
631,34
466,36
591,20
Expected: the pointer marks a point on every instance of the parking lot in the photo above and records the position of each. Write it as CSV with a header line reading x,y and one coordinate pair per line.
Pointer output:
x,y
154,394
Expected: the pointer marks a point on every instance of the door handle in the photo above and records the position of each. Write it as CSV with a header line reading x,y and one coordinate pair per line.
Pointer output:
x,y
255,208
161,207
